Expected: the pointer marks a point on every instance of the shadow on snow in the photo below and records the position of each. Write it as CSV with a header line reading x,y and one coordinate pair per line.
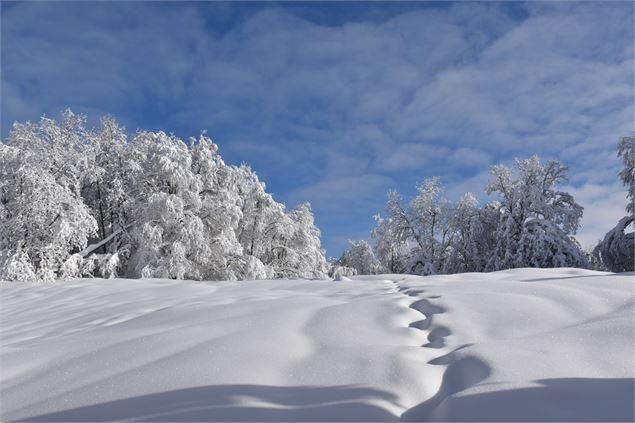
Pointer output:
x,y
566,399
232,403
557,400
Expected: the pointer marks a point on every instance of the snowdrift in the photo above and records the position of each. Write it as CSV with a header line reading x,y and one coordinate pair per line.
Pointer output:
x,y
525,344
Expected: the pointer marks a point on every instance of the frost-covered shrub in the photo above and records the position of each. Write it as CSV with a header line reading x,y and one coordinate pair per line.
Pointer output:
x,y
336,271
72,267
248,268
16,266
360,256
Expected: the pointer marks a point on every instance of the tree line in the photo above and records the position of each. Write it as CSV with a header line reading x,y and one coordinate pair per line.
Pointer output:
x,y
531,224
94,202
79,202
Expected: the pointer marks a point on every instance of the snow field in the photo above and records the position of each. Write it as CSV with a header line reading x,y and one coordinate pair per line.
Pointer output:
x,y
102,341
523,344
532,345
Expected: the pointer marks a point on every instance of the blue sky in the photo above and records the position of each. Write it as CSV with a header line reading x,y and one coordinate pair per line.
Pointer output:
x,y
335,103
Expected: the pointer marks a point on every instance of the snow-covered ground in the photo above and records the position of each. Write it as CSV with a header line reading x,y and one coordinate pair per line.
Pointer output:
x,y
523,344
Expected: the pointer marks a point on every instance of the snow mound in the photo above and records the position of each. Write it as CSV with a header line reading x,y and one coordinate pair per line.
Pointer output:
x,y
523,344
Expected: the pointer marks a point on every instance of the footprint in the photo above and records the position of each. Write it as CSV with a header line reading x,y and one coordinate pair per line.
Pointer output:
x,y
436,337
423,324
460,372
444,360
458,376
426,308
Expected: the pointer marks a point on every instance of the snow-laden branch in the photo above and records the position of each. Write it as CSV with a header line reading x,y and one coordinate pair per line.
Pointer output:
x,y
92,247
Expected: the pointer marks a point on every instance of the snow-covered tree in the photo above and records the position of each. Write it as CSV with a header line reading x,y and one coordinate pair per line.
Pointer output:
x,y
287,243
536,221
483,235
430,215
43,219
109,190
337,272
469,230
76,202
220,213
617,250
626,150
360,256
417,238
295,249
392,235
261,216
167,232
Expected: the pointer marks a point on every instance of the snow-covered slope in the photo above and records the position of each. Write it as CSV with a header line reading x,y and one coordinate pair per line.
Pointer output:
x,y
531,345
516,345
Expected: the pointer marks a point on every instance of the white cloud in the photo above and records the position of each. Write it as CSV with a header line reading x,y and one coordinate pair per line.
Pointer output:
x,y
412,156
604,206
336,114
352,194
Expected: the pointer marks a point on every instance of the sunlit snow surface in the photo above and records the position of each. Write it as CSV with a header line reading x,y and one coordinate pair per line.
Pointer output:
x,y
526,344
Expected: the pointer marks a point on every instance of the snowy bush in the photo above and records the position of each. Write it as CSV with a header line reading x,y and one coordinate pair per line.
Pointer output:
x,y
336,272
360,256
16,266
248,267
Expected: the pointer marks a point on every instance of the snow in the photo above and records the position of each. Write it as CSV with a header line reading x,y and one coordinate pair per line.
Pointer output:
x,y
523,344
